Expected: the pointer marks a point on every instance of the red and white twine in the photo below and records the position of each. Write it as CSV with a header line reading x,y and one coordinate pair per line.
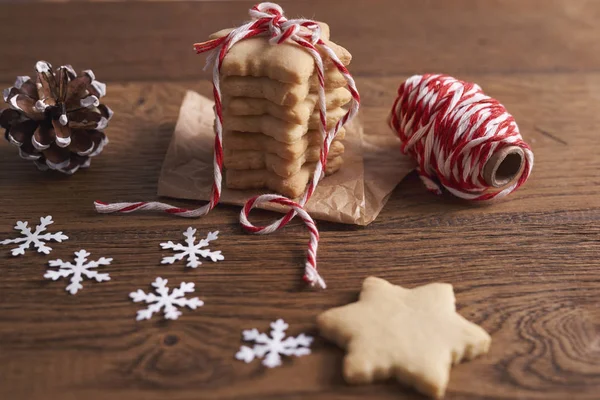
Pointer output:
x,y
452,129
267,20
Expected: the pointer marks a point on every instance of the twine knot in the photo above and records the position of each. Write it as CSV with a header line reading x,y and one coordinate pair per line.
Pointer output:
x,y
270,19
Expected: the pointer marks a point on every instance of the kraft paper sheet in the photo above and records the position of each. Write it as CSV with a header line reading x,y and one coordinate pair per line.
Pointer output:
x,y
373,166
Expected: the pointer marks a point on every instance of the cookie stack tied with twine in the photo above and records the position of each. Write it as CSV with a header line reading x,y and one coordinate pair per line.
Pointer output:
x,y
57,120
271,136
267,20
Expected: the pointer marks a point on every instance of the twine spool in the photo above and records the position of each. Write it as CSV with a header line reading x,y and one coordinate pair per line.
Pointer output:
x,y
504,166
462,139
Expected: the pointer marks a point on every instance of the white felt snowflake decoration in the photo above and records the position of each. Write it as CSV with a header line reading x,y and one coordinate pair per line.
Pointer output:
x,y
82,268
272,347
164,300
36,238
192,250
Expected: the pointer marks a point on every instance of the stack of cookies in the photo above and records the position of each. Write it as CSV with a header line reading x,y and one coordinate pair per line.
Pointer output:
x,y
271,135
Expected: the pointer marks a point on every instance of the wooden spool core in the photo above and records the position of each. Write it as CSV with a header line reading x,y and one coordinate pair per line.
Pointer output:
x,y
504,166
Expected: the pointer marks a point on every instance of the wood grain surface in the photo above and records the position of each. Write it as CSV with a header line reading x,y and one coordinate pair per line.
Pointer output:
x,y
526,268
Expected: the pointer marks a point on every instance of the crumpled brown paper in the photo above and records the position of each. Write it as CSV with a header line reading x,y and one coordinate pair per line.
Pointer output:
x,y
355,194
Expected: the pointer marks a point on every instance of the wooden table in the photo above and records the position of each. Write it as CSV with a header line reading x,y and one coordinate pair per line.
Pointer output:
x,y
525,268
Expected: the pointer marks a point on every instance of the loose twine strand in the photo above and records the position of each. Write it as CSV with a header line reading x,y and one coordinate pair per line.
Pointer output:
x,y
452,129
267,19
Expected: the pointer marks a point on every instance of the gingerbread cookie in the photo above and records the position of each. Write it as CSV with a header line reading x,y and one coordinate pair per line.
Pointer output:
x,y
286,62
291,187
414,335
297,114
233,140
279,129
253,159
281,93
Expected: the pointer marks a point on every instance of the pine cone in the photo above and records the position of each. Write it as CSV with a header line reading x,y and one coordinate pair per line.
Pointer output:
x,y
58,121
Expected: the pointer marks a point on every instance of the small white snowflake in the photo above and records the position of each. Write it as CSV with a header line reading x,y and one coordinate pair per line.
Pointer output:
x,y
164,300
192,250
272,347
82,268
34,237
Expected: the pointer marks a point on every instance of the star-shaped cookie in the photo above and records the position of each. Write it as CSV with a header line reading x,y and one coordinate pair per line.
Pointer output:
x,y
414,335
285,62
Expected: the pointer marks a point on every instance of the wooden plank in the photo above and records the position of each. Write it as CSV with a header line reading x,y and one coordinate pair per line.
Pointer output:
x,y
525,268
555,113
133,41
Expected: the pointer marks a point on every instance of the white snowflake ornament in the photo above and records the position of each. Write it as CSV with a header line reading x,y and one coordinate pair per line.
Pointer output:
x,y
192,250
164,300
82,268
271,348
36,238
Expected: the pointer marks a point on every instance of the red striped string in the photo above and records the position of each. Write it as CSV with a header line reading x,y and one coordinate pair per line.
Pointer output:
x,y
267,20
